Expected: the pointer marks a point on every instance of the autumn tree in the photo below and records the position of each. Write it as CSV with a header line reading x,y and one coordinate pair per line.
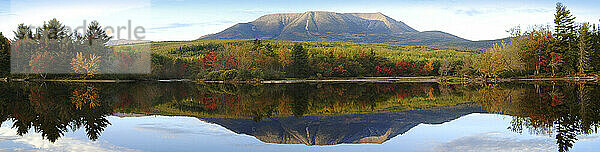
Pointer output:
x,y
85,65
537,48
489,63
512,52
565,34
445,67
555,61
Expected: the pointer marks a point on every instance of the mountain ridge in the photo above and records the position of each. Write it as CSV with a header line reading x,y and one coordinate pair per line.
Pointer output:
x,y
344,27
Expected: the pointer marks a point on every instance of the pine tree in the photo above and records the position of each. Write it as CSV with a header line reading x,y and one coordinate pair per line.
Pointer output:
x,y
584,47
23,32
565,34
53,29
595,57
4,56
299,65
95,32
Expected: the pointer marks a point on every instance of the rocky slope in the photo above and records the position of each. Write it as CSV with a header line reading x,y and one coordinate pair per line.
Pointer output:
x,y
344,27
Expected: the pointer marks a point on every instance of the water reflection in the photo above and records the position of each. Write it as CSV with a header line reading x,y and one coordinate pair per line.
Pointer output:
x,y
564,111
309,114
53,109
343,129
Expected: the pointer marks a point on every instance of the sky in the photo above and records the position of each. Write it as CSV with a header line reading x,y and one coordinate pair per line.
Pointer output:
x,y
164,20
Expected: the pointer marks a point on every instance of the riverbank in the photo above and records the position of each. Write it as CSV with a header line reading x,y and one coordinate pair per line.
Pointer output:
x,y
437,79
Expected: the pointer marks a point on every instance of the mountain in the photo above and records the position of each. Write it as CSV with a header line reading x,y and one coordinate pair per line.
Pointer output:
x,y
344,27
125,42
342,129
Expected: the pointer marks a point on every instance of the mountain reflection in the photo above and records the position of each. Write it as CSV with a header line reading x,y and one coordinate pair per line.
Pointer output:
x,y
343,129
310,114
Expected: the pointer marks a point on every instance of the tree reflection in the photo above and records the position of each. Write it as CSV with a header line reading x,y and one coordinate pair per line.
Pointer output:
x,y
277,100
53,109
563,110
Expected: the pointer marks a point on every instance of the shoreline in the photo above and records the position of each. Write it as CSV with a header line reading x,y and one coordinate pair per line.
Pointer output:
x,y
426,79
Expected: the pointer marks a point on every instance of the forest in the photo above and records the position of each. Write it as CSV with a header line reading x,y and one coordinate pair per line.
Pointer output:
x,y
565,49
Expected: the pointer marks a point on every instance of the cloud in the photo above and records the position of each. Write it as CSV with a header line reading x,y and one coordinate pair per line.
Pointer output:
x,y
495,141
587,138
6,13
255,11
37,143
171,26
469,12
183,128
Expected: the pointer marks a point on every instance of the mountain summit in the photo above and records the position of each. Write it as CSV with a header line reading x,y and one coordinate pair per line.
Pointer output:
x,y
344,27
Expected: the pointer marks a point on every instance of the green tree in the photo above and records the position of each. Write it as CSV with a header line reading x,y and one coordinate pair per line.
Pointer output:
x,y
53,29
23,32
95,32
4,56
565,34
595,58
585,44
299,66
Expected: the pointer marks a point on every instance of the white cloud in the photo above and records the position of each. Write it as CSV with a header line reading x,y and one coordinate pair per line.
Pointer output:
x,y
37,143
496,141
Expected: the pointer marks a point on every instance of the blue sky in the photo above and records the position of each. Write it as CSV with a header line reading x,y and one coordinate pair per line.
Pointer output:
x,y
187,19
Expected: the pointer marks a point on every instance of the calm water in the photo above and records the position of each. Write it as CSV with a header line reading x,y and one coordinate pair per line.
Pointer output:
x,y
299,117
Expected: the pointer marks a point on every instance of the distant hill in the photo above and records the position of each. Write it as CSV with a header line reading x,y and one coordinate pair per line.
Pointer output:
x,y
125,42
344,27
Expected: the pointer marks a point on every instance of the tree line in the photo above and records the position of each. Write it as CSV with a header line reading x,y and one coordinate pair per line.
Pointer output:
x,y
265,59
54,50
566,49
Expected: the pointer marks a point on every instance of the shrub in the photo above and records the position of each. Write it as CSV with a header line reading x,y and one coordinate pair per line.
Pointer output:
x,y
213,75
228,74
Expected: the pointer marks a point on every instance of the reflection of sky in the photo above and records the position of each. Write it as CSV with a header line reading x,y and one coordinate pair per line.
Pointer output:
x,y
475,132
10,141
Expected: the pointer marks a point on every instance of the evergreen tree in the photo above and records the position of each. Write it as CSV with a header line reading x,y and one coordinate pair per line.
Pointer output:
x,y
566,37
299,65
95,32
23,32
4,56
585,44
595,58
53,29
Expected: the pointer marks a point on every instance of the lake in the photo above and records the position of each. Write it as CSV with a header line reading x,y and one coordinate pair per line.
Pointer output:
x,y
364,116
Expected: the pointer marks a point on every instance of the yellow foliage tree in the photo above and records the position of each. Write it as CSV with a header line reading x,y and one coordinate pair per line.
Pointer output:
x,y
492,62
83,65
85,95
429,66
